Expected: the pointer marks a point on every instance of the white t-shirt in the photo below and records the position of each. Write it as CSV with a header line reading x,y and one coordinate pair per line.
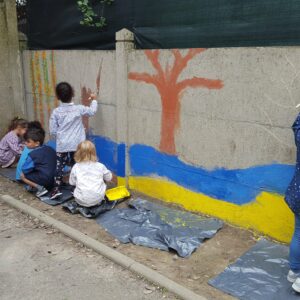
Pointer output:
x,y
88,179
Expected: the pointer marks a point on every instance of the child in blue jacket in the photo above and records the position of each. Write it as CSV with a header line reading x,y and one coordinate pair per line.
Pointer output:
x,y
38,171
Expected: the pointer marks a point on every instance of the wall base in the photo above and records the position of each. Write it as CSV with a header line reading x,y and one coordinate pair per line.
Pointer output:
x,y
268,214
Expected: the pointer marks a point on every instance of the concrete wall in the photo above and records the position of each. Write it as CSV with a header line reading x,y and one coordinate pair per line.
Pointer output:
x,y
82,69
11,90
206,129
233,150
86,71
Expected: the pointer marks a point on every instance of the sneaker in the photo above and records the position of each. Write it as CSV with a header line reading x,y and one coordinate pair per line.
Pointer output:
x,y
43,191
292,276
296,285
56,193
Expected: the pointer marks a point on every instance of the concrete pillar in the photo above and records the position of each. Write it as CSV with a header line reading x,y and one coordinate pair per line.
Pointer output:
x,y
11,79
124,44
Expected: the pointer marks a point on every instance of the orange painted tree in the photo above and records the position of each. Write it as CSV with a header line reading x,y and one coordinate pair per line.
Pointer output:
x,y
166,80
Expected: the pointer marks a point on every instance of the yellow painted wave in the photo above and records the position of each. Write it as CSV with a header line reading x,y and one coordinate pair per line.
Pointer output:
x,y
268,214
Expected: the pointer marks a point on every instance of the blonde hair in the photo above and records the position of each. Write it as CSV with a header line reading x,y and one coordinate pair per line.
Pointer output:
x,y
86,151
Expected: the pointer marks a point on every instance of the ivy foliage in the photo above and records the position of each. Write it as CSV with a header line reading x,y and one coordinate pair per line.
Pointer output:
x,y
92,18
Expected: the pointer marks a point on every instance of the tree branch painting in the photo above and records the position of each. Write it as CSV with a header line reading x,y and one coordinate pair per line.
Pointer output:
x,y
170,90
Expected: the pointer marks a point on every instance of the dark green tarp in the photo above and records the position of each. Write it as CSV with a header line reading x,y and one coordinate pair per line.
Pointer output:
x,y
54,24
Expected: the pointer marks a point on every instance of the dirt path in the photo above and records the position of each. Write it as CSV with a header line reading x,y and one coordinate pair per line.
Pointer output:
x,y
38,263
194,272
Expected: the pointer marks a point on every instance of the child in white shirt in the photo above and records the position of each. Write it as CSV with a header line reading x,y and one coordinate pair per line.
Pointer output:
x,y
89,176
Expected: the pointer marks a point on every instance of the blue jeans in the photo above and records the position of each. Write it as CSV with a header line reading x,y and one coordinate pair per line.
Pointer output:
x,y
295,247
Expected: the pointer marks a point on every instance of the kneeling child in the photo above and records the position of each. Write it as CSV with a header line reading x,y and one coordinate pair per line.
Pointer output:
x,y
89,176
39,168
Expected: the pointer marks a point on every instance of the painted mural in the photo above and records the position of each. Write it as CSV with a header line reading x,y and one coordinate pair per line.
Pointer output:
x,y
170,88
249,197
43,81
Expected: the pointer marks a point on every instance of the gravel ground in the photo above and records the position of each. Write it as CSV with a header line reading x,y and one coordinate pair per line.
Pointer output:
x,y
36,262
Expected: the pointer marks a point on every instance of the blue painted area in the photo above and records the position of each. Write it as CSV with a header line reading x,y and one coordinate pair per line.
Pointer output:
x,y
238,186
111,154
121,160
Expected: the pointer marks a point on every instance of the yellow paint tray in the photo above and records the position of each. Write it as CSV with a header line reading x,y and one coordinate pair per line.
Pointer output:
x,y
117,193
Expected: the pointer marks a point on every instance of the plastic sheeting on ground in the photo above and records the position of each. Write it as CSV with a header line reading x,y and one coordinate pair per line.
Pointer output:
x,y
152,225
67,190
67,194
259,274
9,173
89,212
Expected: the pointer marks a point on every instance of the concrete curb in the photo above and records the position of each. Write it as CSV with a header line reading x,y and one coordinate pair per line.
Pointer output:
x,y
105,251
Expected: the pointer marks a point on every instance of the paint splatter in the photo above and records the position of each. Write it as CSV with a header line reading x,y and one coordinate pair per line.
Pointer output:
x,y
85,95
33,85
53,76
85,100
170,90
46,85
43,81
40,107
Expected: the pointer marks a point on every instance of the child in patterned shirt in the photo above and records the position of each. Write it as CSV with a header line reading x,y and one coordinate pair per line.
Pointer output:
x,y
11,146
67,128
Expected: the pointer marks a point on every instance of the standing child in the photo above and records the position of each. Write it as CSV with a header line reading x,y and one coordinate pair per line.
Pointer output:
x,y
39,168
89,176
11,145
67,127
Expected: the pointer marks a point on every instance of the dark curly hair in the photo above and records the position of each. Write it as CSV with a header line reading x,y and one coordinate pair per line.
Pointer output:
x,y
34,124
64,92
35,134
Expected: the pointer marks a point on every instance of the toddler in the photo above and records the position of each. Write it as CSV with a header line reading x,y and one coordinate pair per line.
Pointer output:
x,y
11,145
26,150
39,168
67,128
89,176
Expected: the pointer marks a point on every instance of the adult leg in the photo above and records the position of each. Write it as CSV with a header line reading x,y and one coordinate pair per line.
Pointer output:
x,y
294,273
295,247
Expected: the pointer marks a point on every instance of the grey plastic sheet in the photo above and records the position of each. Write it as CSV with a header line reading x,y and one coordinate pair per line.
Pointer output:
x,y
151,225
9,173
259,274
89,212
66,190
67,194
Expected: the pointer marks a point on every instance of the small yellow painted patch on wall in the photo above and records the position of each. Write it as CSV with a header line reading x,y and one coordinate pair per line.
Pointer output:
x,y
267,214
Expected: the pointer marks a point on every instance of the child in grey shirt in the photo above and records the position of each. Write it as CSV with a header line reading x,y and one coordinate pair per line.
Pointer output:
x,y
67,128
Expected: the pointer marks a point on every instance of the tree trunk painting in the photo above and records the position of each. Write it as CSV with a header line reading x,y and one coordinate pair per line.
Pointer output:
x,y
170,89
